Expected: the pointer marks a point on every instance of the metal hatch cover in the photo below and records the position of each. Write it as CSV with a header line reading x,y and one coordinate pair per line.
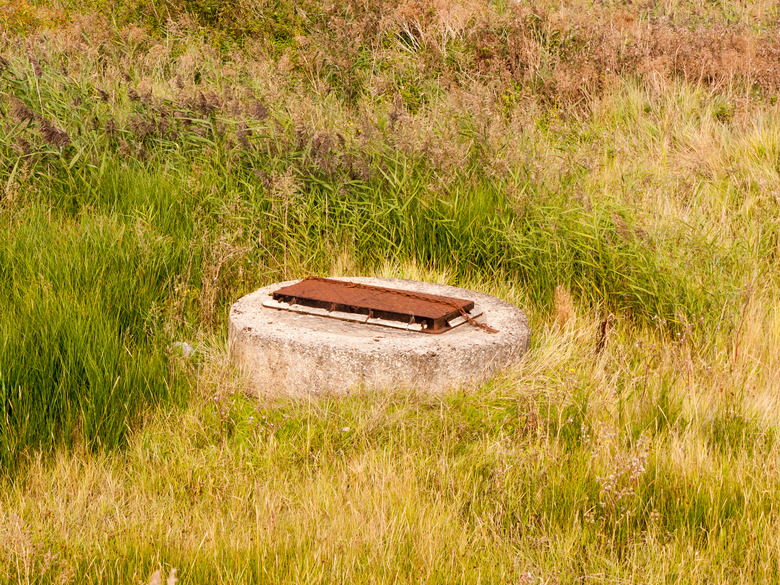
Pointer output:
x,y
375,305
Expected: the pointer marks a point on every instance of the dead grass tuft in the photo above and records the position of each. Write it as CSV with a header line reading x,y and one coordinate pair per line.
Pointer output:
x,y
564,306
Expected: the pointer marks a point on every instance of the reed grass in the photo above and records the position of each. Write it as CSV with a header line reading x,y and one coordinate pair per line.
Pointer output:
x,y
159,164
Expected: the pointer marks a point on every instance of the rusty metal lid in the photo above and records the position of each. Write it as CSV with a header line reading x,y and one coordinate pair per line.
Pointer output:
x,y
376,305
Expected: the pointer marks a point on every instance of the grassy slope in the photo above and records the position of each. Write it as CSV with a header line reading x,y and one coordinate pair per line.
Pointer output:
x,y
572,160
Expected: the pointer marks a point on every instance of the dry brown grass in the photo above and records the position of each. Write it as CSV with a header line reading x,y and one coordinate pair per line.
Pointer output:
x,y
568,54
564,305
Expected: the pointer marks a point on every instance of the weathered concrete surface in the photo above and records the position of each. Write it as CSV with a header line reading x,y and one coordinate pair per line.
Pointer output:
x,y
289,353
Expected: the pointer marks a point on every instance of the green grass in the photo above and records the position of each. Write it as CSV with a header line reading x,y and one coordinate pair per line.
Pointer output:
x,y
151,176
79,355
134,243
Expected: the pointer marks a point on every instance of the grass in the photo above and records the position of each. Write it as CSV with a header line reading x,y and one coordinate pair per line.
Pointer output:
x,y
564,467
160,161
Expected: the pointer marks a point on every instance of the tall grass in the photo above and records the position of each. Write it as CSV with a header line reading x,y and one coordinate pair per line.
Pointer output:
x,y
79,356
171,207
615,180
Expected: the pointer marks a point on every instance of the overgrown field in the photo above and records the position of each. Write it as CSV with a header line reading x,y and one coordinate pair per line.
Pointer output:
x,y
613,168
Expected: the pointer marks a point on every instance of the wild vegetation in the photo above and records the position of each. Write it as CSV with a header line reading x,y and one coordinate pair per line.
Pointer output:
x,y
611,167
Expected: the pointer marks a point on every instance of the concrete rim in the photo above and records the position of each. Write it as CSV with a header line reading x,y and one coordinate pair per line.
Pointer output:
x,y
286,352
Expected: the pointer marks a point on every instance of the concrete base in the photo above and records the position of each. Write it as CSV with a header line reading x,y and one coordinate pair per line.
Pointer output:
x,y
286,352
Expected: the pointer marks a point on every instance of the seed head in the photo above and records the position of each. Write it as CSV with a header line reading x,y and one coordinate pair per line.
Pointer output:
x,y
54,135
21,113
258,110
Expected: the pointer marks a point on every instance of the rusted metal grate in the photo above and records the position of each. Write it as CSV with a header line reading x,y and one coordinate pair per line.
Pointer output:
x,y
375,305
